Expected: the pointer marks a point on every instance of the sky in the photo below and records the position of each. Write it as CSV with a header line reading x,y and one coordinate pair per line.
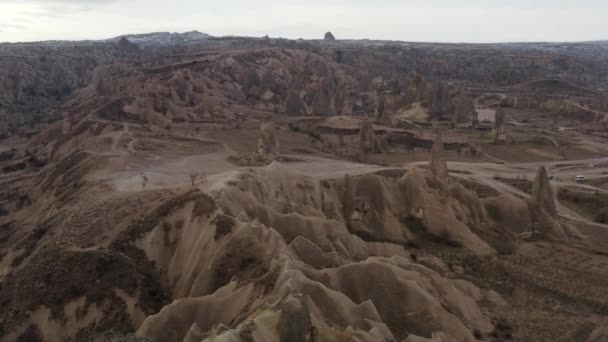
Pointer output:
x,y
408,20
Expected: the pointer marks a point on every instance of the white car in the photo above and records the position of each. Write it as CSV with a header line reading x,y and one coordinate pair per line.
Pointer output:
x,y
580,178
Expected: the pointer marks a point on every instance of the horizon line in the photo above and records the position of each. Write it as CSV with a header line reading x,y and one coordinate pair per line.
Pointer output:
x,y
103,40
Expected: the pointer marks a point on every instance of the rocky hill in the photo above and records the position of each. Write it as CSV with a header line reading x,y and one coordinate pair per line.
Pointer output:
x,y
179,187
162,38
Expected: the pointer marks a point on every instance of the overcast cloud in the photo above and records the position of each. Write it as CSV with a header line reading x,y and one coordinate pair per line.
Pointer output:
x,y
409,20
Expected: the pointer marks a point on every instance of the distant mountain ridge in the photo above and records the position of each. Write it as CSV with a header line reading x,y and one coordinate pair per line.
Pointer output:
x,y
162,38
142,39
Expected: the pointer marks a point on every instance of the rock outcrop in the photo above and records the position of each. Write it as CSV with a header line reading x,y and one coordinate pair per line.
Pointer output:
x,y
323,103
445,210
268,144
439,101
251,82
500,126
464,110
125,47
292,251
416,114
512,212
543,193
258,281
342,100
415,90
367,139
380,107
329,36
543,209
570,109
437,164
294,106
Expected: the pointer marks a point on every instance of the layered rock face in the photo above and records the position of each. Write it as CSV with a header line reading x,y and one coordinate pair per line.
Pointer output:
x,y
270,254
289,280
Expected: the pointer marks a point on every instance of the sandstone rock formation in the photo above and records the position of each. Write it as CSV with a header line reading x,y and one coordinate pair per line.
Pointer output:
x,y
342,100
267,253
464,111
252,280
543,193
512,212
416,114
439,101
445,210
542,207
268,144
500,126
323,103
294,106
269,82
367,139
570,109
125,47
437,164
380,106
415,90
389,104
251,82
